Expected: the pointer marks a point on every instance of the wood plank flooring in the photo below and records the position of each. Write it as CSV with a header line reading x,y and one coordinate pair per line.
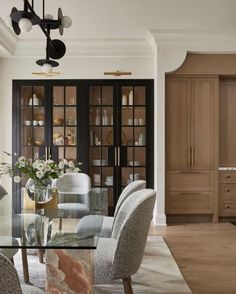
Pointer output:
x,y
205,254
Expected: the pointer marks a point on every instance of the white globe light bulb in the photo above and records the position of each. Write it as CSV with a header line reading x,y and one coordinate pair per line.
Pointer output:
x,y
66,22
47,68
25,24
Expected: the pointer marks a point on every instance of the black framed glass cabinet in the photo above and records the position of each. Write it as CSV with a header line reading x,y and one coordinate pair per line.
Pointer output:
x,y
105,124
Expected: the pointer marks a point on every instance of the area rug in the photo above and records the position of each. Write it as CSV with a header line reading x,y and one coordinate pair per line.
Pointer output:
x,y
158,273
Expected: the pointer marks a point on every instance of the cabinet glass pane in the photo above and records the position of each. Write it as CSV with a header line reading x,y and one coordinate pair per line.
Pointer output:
x,y
127,96
95,95
58,116
139,116
71,118
70,136
58,95
58,136
107,95
71,94
139,156
127,116
140,136
107,136
70,153
127,136
139,95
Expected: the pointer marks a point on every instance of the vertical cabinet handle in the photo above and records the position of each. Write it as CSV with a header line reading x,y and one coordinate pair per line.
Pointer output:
x,y
118,157
115,156
46,152
190,158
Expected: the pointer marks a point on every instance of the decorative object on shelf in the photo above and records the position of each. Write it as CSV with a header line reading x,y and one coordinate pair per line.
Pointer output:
x,y
134,163
40,173
41,122
29,141
27,123
38,142
34,101
38,116
124,100
97,119
70,139
111,120
105,118
23,20
97,179
117,73
35,122
109,138
58,139
131,96
99,162
109,181
57,121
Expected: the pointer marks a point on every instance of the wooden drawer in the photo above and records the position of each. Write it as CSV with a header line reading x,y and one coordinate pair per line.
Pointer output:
x,y
228,191
228,177
227,208
190,181
189,203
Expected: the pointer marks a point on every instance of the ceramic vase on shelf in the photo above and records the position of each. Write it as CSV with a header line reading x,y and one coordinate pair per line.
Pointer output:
x,y
131,98
124,100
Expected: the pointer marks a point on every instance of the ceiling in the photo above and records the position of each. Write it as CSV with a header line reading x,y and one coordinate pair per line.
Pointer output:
x,y
130,19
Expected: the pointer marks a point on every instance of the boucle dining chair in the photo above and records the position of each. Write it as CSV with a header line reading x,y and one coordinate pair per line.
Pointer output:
x,y
102,225
5,240
120,256
9,280
73,189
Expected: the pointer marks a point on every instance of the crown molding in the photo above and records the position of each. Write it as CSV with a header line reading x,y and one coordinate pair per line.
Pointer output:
x,y
91,48
8,40
190,36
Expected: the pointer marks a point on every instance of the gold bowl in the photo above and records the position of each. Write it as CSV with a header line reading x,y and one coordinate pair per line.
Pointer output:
x,y
38,142
58,121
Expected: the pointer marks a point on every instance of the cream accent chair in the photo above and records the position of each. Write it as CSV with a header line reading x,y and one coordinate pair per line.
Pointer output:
x,y
120,256
102,225
9,280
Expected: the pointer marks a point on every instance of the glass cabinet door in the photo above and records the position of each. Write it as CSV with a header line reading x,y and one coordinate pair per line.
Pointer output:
x,y
64,122
101,139
32,119
133,134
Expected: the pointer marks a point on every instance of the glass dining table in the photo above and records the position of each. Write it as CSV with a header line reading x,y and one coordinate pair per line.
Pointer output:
x,y
68,255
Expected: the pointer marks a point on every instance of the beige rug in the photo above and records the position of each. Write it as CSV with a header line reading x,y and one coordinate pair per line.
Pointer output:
x,y
158,273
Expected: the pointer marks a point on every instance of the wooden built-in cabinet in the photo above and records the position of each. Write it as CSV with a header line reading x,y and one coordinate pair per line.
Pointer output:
x,y
191,140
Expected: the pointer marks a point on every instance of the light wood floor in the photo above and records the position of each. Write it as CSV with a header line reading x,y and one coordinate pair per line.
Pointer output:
x,y
205,254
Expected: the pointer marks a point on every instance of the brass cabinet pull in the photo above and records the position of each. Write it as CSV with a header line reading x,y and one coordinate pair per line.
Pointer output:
x,y
115,156
118,160
190,159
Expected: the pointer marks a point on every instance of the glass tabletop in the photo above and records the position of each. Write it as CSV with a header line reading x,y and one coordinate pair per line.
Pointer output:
x,y
43,228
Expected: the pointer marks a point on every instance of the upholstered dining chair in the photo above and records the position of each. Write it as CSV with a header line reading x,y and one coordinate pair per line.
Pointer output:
x,y
120,256
73,189
9,253
102,225
9,280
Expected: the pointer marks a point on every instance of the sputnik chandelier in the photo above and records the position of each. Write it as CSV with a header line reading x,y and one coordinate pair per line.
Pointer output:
x,y
23,20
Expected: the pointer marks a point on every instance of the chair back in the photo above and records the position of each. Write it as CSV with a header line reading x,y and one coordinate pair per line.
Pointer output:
x,y
9,280
131,230
128,190
73,183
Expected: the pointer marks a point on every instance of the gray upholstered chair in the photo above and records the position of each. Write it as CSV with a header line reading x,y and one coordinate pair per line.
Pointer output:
x,y
9,280
120,256
9,253
102,225
74,191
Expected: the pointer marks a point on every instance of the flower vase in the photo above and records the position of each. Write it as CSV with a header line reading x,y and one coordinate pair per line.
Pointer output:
x,y
38,192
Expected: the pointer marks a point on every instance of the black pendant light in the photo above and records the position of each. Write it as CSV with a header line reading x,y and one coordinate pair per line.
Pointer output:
x,y
23,20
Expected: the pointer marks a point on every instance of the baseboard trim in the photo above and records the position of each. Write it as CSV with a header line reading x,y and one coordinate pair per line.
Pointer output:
x,y
160,220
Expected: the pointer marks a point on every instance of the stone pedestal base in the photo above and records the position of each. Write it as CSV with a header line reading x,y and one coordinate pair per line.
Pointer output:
x,y
69,271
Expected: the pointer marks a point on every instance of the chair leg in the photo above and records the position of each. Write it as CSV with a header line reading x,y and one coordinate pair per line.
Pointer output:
x,y
40,255
128,285
25,265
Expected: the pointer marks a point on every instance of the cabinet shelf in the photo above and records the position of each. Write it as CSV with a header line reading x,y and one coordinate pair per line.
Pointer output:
x,y
61,126
101,126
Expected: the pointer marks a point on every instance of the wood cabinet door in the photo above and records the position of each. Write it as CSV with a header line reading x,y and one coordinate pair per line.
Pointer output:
x,y
178,123
203,116
227,103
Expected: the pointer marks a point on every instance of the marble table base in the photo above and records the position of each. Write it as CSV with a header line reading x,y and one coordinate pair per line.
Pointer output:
x,y
69,271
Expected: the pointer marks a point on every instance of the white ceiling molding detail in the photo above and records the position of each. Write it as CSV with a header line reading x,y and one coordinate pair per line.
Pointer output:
x,y
8,40
98,47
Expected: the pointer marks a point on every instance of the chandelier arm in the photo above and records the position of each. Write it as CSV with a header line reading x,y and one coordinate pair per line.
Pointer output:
x,y
42,28
43,9
33,4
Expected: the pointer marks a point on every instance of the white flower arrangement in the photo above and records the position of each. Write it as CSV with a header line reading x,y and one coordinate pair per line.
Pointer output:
x,y
39,170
